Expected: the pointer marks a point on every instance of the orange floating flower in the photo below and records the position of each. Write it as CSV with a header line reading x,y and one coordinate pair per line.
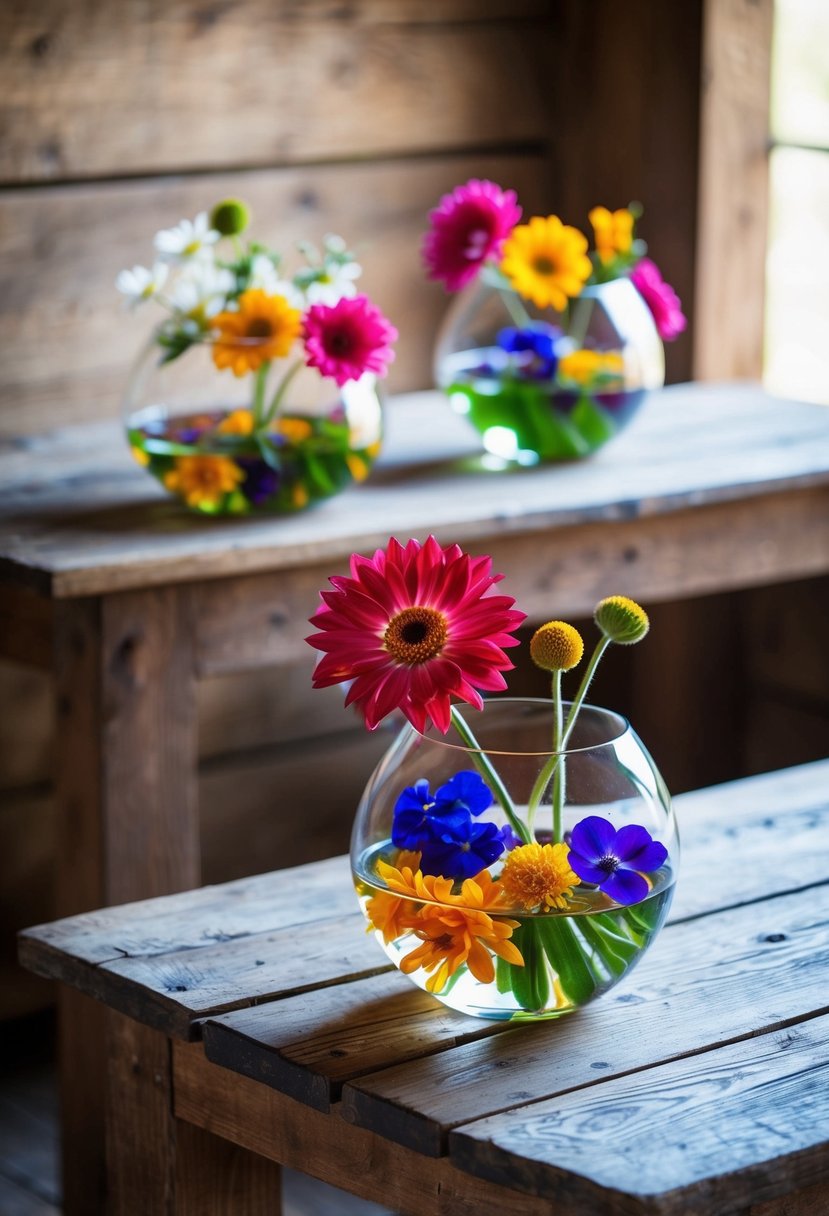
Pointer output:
x,y
263,328
536,875
584,366
453,936
238,422
203,481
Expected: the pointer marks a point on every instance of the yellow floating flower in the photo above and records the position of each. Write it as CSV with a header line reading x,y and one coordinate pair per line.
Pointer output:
x,y
139,455
295,430
357,467
556,646
238,422
585,366
203,480
264,328
539,876
613,232
546,261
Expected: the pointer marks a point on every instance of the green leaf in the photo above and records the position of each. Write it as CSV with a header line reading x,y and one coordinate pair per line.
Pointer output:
x,y
567,957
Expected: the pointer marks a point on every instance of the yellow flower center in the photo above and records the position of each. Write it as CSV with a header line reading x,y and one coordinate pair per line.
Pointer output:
x,y
416,635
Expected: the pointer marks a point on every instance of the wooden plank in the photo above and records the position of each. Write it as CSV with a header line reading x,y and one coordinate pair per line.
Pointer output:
x,y
621,60
733,189
318,1040
743,1124
695,989
328,1148
75,234
689,449
25,626
319,82
217,1178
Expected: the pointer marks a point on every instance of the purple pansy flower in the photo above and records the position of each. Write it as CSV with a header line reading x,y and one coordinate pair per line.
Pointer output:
x,y
615,859
261,481
464,853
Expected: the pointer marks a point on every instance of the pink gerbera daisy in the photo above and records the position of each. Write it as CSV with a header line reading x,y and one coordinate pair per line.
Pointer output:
x,y
347,339
412,627
660,298
468,226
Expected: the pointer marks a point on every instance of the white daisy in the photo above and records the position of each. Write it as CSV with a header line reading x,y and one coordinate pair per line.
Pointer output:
x,y
187,240
265,276
202,287
140,283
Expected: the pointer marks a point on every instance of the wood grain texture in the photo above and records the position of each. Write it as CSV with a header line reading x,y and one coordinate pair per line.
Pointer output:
x,y
189,86
771,1093
695,989
691,448
733,189
77,237
217,1178
328,1148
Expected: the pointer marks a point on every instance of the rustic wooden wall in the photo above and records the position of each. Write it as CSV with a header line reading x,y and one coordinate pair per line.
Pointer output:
x,y
117,117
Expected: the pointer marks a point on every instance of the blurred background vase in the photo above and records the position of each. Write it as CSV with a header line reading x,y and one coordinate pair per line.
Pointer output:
x,y
197,431
541,385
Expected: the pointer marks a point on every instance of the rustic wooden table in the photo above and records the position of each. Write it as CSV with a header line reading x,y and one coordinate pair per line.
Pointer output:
x,y
257,1023
130,600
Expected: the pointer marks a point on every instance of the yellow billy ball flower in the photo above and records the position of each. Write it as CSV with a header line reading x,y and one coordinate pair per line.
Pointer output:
x,y
230,217
539,876
556,646
621,619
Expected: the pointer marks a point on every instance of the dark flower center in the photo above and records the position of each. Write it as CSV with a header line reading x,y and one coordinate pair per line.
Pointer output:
x,y
608,864
416,635
260,327
543,265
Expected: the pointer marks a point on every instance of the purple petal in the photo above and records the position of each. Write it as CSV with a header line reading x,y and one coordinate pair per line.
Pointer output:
x,y
586,871
593,838
635,847
626,887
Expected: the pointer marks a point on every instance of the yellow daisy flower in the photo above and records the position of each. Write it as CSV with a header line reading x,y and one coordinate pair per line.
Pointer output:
x,y
139,455
203,480
546,261
295,430
584,366
264,327
238,422
539,876
613,232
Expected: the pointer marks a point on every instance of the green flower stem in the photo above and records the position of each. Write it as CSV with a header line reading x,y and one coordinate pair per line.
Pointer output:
x,y
515,308
558,774
259,385
279,395
483,762
582,315
601,647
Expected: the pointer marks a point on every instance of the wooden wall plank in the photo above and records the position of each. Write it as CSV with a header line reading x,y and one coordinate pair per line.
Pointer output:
x,y
72,241
102,89
733,189
624,85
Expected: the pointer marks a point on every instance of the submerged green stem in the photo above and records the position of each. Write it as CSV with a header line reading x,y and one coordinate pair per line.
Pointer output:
x,y
484,764
259,385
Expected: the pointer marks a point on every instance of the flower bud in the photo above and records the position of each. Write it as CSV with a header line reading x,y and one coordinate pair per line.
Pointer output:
x,y
621,620
230,217
556,646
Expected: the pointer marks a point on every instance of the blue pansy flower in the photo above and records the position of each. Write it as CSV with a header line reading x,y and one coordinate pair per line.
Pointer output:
x,y
615,859
535,346
463,854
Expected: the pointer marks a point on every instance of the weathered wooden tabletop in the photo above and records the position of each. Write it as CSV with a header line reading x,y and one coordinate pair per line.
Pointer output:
x,y
699,1085
78,517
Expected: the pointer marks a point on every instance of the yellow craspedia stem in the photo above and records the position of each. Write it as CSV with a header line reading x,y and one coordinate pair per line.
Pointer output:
x,y
621,620
556,646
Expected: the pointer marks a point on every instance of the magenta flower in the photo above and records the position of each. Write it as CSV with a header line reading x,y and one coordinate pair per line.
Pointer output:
x,y
413,627
347,339
467,227
660,298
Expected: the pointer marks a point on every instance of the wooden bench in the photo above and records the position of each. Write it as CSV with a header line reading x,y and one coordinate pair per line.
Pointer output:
x,y
258,1023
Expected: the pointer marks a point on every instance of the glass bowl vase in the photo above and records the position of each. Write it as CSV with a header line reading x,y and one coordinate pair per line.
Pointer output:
x,y
563,400
484,947
203,435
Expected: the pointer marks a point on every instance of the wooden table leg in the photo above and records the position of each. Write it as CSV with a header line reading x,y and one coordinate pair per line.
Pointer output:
x,y
126,762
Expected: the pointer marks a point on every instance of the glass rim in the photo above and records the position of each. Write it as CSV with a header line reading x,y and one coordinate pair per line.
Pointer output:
x,y
623,728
